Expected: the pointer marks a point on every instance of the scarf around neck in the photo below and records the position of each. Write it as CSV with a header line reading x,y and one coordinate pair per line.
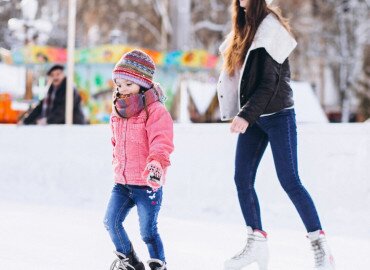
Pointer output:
x,y
126,107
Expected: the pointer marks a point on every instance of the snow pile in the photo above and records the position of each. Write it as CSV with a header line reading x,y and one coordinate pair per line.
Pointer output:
x,y
72,166
306,103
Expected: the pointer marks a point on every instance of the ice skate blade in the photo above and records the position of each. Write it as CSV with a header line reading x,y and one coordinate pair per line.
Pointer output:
x,y
260,265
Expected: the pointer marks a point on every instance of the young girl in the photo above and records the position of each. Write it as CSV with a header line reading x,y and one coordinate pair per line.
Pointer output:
x,y
254,91
142,143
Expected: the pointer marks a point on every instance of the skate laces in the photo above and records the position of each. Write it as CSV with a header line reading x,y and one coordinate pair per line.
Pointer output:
x,y
248,246
318,251
121,263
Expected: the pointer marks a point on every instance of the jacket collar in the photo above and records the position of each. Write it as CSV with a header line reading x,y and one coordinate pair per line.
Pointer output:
x,y
272,36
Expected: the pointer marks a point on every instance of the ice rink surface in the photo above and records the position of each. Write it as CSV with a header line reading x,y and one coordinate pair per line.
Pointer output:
x,y
55,183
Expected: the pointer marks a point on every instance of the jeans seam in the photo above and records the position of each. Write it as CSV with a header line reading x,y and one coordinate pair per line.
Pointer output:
x,y
116,221
155,220
154,235
251,186
291,150
295,172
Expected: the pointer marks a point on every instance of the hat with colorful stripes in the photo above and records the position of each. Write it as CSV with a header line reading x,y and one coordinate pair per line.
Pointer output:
x,y
135,66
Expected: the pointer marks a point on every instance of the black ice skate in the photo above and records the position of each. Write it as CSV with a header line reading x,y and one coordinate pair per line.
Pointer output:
x,y
155,264
129,262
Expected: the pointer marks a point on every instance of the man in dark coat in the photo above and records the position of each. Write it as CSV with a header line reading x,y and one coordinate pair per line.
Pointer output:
x,y
51,110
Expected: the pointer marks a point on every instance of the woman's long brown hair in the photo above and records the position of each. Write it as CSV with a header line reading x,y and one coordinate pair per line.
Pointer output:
x,y
245,25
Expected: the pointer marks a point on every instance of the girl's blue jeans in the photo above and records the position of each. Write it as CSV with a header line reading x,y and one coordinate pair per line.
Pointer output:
x,y
148,203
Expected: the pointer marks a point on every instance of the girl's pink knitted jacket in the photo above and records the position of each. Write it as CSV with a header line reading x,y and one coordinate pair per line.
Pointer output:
x,y
139,140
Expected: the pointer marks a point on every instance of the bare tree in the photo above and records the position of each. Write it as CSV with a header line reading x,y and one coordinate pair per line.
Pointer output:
x,y
210,23
362,87
8,10
52,11
331,34
137,22
342,32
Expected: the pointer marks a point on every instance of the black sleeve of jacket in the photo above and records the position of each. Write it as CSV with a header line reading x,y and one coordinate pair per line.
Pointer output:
x,y
58,114
34,115
266,88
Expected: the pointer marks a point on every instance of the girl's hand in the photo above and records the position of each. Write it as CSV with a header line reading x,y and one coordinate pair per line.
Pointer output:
x,y
153,174
239,125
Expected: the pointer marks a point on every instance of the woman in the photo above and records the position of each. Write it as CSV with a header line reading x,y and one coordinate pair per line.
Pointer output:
x,y
254,91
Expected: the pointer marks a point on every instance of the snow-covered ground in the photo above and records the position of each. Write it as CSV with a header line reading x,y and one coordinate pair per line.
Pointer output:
x,y
55,182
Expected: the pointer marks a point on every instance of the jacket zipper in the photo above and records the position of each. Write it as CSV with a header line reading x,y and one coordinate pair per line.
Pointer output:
x,y
276,89
125,163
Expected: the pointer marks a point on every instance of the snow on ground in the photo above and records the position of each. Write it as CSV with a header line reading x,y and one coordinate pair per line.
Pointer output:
x,y
55,183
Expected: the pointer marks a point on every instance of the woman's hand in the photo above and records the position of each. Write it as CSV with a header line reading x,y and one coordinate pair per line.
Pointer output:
x,y
239,125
